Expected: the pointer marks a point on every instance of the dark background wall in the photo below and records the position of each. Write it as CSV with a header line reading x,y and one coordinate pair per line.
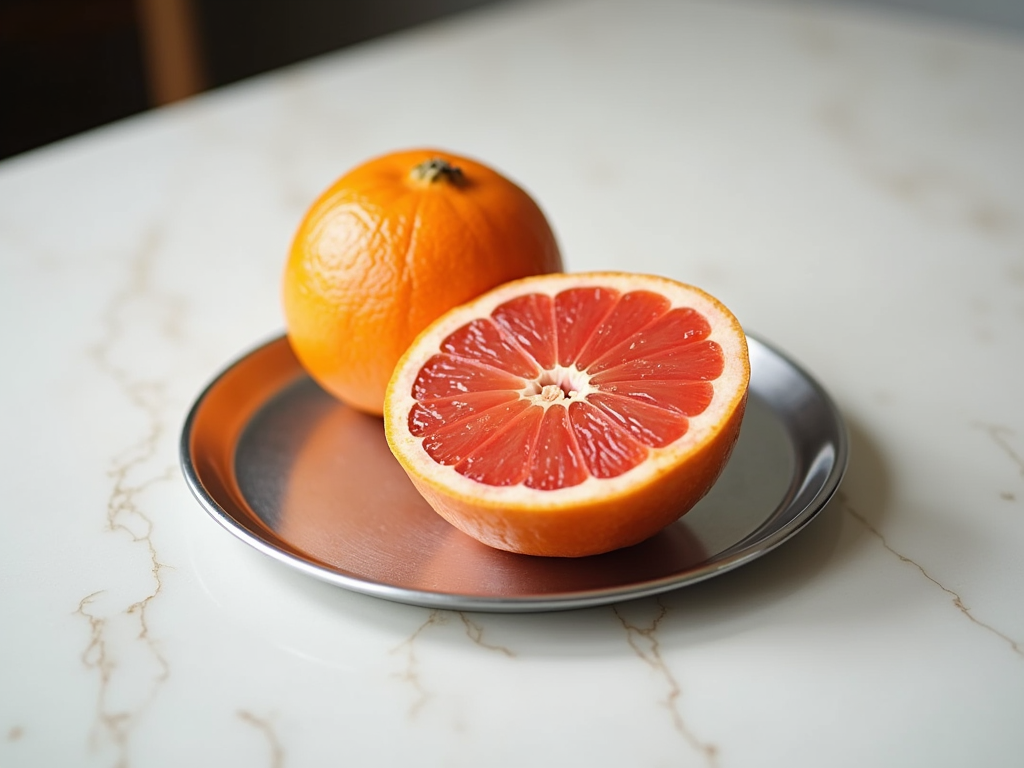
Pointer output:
x,y
66,65
245,37
70,65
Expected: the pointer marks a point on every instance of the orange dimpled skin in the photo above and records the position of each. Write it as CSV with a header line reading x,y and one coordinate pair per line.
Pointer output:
x,y
391,246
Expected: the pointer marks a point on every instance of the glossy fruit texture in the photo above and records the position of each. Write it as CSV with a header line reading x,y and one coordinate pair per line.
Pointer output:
x,y
392,245
568,415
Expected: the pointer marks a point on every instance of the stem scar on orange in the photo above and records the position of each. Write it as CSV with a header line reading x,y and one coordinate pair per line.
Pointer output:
x,y
571,414
392,245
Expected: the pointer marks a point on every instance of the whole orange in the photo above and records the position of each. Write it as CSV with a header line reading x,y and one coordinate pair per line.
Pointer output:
x,y
391,246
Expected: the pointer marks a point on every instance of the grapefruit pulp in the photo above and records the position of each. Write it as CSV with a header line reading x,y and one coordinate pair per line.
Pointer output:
x,y
570,414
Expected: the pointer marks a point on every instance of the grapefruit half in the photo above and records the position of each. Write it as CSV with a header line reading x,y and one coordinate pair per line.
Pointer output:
x,y
570,414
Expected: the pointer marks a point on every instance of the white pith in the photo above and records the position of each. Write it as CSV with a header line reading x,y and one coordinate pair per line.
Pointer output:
x,y
730,389
558,385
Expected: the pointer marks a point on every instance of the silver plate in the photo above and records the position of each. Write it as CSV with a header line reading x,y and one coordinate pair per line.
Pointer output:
x,y
312,483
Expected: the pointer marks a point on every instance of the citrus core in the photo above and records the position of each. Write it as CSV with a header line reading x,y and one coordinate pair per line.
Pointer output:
x,y
392,245
570,414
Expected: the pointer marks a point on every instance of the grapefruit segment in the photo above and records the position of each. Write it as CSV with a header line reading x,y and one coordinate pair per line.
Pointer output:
x,y
570,414
692,362
529,321
671,331
446,376
450,444
556,461
578,313
607,450
430,415
629,317
651,425
688,397
480,340
504,457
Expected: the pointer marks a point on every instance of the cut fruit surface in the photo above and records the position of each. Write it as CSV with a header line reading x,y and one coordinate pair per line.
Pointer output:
x,y
570,414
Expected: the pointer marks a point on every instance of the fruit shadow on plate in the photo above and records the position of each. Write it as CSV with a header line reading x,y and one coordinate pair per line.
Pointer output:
x,y
321,478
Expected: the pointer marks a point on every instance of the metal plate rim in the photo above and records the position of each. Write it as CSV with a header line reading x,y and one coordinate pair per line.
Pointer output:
x,y
755,545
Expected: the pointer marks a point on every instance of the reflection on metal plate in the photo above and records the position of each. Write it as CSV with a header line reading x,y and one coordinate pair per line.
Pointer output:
x,y
311,482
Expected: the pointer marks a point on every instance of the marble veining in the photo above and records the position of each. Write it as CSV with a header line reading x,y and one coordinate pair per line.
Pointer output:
x,y
1014,645
862,97
1001,436
266,728
408,649
475,632
411,673
942,194
113,625
643,639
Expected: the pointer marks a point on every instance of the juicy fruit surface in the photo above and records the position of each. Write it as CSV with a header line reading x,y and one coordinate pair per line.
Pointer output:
x,y
392,245
570,414
550,390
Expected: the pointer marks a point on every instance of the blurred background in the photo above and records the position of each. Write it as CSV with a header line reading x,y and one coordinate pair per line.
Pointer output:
x,y
70,65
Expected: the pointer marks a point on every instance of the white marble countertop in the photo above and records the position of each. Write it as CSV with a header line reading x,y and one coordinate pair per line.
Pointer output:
x,y
851,184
